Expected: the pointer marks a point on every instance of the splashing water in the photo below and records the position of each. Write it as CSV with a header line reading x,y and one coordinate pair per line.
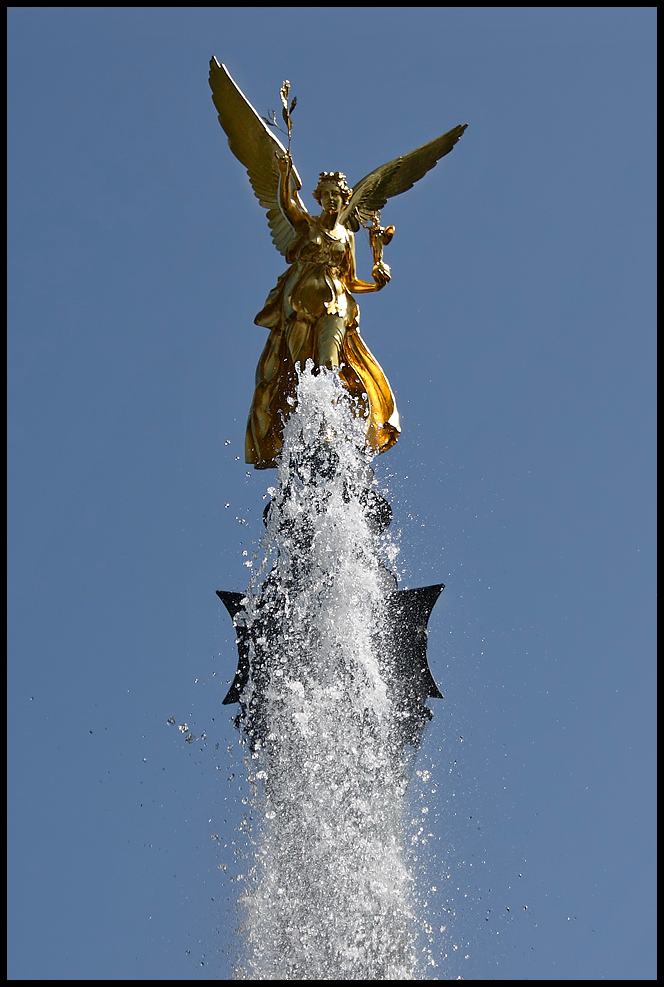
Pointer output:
x,y
328,893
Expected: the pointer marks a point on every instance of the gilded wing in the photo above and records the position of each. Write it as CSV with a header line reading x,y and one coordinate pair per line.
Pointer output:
x,y
372,192
254,144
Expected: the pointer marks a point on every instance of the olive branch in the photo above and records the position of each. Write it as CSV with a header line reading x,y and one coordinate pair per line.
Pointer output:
x,y
285,113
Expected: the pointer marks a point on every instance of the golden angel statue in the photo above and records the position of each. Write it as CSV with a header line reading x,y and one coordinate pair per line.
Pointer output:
x,y
311,312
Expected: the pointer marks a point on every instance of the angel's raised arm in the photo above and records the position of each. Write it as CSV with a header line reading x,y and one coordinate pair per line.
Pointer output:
x,y
289,200
254,144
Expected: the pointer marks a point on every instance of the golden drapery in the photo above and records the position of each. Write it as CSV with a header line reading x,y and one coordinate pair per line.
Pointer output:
x,y
312,295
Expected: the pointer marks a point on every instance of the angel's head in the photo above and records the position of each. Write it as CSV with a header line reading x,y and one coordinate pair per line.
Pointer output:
x,y
332,191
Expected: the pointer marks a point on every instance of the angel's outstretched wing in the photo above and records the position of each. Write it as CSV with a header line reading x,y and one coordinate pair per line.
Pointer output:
x,y
254,144
372,192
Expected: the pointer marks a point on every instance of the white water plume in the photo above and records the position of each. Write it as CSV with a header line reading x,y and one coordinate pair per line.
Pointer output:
x,y
327,893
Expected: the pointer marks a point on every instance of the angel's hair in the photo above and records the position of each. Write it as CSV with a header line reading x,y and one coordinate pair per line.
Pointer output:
x,y
333,178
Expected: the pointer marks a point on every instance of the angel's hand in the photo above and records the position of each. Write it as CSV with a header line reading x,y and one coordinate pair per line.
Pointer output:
x,y
381,274
285,162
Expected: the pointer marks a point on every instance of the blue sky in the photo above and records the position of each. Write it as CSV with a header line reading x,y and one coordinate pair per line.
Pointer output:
x,y
518,335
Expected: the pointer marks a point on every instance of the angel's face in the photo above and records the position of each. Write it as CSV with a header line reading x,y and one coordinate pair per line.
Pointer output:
x,y
331,199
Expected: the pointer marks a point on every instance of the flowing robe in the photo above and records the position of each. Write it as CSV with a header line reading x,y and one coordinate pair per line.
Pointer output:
x,y
311,309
